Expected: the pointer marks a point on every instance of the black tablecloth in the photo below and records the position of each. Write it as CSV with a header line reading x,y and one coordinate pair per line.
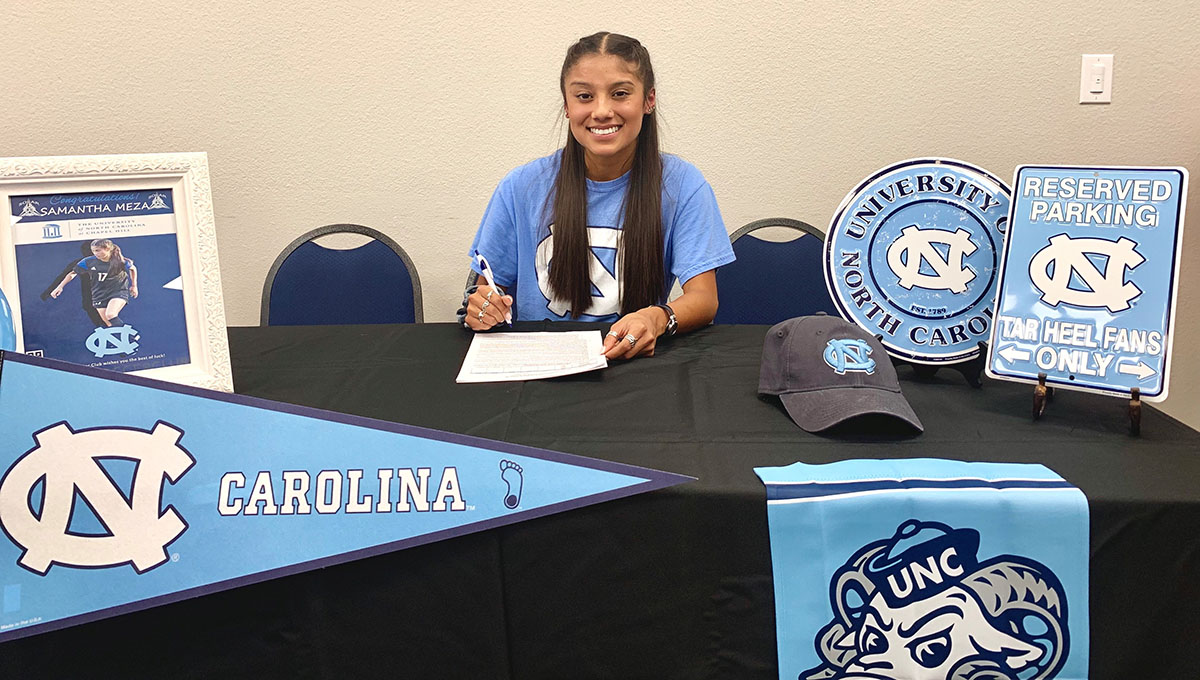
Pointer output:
x,y
670,584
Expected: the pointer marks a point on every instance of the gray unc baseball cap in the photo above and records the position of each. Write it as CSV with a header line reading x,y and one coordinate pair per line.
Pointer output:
x,y
826,370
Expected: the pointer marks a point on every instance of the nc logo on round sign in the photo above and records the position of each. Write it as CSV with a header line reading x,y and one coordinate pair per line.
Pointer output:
x,y
912,255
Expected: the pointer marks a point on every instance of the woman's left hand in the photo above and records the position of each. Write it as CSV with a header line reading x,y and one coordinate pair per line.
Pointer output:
x,y
634,335
133,291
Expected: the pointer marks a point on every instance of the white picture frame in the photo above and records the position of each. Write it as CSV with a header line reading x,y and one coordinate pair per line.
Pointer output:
x,y
53,193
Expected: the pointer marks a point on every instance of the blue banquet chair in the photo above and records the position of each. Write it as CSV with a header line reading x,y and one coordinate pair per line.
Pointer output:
x,y
774,280
310,284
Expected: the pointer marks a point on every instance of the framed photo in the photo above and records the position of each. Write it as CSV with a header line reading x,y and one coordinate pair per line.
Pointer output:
x,y
111,262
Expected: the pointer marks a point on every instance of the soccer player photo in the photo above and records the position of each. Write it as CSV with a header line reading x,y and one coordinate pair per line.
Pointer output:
x,y
99,278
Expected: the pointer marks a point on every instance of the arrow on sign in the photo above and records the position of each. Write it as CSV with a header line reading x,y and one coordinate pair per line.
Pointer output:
x,y
1140,369
1011,354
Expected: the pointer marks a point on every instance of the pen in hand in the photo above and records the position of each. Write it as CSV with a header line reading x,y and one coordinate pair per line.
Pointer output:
x,y
487,274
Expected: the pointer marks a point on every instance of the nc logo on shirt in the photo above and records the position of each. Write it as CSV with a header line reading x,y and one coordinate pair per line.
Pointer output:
x,y
606,284
921,606
38,498
849,355
1073,260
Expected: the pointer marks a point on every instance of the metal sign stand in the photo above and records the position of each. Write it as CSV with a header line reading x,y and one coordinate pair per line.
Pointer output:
x,y
1135,412
1044,394
971,370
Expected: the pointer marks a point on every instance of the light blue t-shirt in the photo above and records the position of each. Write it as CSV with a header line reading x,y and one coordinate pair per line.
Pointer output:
x,y
515,236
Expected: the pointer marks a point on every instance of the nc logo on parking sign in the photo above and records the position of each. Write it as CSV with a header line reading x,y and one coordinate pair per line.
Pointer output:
x,y
1054,268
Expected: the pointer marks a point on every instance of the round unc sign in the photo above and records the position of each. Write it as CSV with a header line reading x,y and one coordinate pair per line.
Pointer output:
x,y
912,256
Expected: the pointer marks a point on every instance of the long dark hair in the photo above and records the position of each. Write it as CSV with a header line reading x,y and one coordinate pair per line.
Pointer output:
x,y
116,261
640,257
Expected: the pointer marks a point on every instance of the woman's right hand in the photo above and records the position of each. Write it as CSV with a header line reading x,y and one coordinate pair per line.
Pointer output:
x,y
55,293
486,308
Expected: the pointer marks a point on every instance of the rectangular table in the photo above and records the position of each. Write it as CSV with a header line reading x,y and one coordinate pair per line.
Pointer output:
x,y
671,584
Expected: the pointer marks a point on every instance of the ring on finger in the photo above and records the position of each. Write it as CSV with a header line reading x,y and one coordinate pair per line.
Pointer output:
x,y
490,294
484,305
614,334
631,339
480,316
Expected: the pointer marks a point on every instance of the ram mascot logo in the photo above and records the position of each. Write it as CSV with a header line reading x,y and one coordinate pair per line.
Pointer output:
x,y
920,606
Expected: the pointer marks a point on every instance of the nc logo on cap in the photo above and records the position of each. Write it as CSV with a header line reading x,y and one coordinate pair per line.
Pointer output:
x,y
849,355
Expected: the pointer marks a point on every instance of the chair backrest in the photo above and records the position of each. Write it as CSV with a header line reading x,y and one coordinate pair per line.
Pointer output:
x,y
310,284
774,280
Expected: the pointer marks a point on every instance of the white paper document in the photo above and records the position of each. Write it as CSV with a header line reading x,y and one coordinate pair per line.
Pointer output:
x,y
499,357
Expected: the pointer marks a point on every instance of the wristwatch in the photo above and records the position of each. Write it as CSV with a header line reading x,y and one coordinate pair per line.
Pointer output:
x,y
672,324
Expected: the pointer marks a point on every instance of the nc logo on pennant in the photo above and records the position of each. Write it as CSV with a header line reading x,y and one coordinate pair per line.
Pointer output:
x,y
65,465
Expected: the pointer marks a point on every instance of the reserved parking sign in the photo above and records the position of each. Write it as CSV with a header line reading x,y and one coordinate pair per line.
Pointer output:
x,y
1088,279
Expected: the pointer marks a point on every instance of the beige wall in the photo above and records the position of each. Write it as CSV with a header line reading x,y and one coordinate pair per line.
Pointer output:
x,y
403,116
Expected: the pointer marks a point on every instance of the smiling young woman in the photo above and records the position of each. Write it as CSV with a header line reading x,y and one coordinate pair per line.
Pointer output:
x,y
600,229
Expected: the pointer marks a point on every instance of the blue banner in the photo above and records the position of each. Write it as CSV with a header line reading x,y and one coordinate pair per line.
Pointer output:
x,y
928,570
1089,278
121,493
56,207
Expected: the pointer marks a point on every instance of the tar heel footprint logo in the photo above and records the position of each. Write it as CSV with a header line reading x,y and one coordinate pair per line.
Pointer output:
x,y
921,606
105,342
849,355
66,465
909,255
1053,269
513,476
